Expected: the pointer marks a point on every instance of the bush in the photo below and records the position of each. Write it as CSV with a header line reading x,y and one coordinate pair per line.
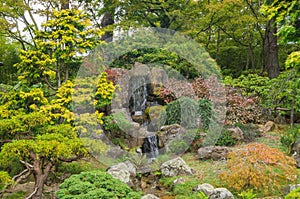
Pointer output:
x,y
94,184
183,111
289,138
226,139
259,167
206,112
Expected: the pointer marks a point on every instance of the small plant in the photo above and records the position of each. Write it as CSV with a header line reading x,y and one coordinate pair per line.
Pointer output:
x,y
247,194
293,194
289,138
259,167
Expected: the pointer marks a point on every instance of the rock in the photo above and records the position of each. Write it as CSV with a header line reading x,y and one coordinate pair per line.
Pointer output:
x,y
206,188
175,167
213,153
236,133
123,171
115,152
168,133
150,196
296,152
269,126
122,175
290,188
178,181
221,193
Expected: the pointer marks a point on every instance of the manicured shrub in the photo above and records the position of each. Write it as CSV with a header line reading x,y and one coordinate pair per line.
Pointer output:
x,y
95,184
206,112
259,167
290,137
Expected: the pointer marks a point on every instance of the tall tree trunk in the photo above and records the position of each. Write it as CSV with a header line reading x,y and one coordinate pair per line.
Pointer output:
x,y
271,64
108,19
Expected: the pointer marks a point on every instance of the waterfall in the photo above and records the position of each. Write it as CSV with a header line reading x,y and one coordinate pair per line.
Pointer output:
x,y
138,95
150,147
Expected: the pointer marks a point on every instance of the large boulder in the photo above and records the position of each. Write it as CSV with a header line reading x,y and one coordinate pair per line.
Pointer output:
x,y
213,153
206,188
123,171
175,167
221,193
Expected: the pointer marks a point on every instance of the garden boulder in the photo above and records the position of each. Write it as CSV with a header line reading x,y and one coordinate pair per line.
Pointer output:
x,y
175,167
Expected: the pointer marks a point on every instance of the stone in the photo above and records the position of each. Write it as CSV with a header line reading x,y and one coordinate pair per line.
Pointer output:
x,y
206,188
296,152
178,181
120,174
168,133
213,153
115,152
269,126
127,165
290,188
236,133
221,193
150,196
175,167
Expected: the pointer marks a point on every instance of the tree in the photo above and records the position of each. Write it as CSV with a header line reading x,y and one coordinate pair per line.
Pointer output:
x,y
36,132
8,57
59,50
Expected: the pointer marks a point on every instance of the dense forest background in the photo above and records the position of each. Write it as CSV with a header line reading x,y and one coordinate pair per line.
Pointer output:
x,y
43,43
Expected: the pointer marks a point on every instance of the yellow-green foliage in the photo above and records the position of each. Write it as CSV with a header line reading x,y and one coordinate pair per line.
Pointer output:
x,y
104,92
5,180
259,167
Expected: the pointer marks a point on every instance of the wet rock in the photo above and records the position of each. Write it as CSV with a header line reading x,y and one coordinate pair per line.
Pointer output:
x,y
175,167
213,153
150,196
206,188
221,193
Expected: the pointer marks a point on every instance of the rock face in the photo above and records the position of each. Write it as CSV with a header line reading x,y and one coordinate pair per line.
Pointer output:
x,y
236,133
221,193
150,196
175,167
213,153
123,171
168,133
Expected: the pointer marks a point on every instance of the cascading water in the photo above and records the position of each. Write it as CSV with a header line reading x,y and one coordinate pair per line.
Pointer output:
x,y
138,95
150,147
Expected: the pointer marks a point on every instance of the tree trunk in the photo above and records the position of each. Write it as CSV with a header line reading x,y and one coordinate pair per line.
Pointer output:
x,y
271,64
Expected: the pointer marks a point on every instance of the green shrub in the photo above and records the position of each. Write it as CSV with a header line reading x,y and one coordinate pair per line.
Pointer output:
x,y
226,139
183,111
117,122
206,112
247,194
290,137
95,184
